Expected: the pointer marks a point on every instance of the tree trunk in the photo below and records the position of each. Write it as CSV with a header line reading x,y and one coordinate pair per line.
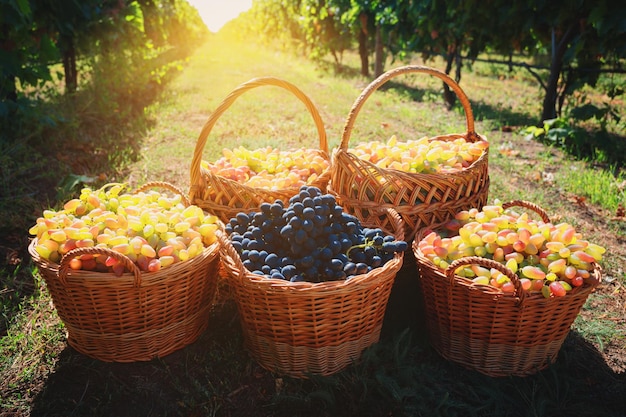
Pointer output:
x,y
549,100
69,65
365,64
556,66
380,58
449,96
8,91
363,52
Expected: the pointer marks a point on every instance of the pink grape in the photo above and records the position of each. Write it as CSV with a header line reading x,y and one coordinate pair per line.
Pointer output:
x,y
557,289
539,252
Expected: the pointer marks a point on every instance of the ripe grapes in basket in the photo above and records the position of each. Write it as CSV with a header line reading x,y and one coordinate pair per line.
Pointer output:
x,y
311,239
423,155
269,168
548,258
153,229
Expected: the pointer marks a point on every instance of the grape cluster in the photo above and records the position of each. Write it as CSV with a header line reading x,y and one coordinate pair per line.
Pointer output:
x,y
425,155
152,229
548,258
270,168
312,239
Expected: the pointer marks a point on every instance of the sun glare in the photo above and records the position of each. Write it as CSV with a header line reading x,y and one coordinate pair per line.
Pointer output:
x,y
215,13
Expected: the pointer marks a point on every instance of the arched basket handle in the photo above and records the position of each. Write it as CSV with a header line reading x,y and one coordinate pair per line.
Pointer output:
x,y
129,265
196,163
167,186
531,206
472,136
519,292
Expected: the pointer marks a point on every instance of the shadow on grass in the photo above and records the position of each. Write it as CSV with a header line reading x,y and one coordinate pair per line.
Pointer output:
x,y
401,376
480,110
208,377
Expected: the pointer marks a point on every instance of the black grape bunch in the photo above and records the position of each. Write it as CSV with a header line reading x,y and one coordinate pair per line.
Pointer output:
x,y
312,239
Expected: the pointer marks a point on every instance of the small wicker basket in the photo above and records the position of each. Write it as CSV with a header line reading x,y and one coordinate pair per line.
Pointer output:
x,y
138,316
421,199
497,334
299,329
225,197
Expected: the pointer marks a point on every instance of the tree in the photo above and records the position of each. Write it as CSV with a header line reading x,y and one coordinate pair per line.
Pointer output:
x,y
26,50
579,36
323,28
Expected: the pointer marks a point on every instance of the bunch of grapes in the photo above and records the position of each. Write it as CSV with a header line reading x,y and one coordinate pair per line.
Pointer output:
x,y
152,229
270,168
423,155
547,258
312,239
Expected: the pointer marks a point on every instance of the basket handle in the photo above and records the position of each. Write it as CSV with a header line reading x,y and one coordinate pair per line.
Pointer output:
x,y
472,136
166,185
229,100
97,250
489,263
527,204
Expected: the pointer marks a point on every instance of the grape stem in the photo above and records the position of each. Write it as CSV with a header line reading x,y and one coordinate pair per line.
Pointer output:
x,y
367,243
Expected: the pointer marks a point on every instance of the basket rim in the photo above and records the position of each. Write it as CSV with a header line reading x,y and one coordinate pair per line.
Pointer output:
x,y
442,176
127,279
323,178
589,284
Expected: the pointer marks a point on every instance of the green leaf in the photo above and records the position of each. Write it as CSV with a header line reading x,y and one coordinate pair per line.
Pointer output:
x,y
67,185
24,7
48,50
135,16
587,111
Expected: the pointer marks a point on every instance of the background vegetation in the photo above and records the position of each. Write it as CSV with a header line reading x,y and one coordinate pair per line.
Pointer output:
x,y
144,90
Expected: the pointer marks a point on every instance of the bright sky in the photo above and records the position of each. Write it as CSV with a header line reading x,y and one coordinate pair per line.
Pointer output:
x,y
215,13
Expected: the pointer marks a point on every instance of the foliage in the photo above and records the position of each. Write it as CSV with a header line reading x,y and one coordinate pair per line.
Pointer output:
x,y
53,140
324,30
582,38
571,132
274,22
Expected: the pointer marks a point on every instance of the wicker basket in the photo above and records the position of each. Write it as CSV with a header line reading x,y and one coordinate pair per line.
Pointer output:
x,y
421,199
138,316
224,197
486,330
300,329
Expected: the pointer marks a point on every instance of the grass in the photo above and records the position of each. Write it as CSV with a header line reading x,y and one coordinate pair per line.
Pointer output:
x,y
402,375
600,187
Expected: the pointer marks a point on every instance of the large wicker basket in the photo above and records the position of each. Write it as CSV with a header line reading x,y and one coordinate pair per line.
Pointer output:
x,y
421,199
299,329
225,197
138,316
497,334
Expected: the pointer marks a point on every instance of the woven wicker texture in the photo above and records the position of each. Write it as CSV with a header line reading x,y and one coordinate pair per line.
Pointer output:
x,y
497,334
421,199
224,197
137,316
305,328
